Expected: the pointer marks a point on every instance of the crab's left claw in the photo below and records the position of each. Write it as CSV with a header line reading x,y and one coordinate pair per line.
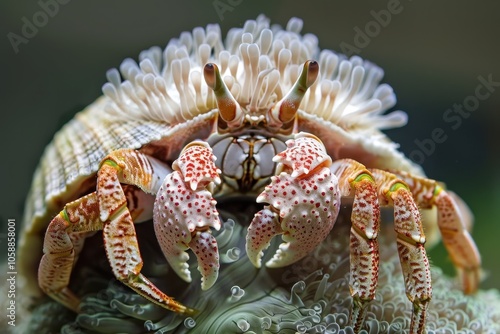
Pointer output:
x,y
303,204
184,211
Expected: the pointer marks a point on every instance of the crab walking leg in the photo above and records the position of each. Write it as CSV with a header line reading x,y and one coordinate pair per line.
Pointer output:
x,y
454,220
457,240
185,210
120,240
410,240
357,182
65,238
61,247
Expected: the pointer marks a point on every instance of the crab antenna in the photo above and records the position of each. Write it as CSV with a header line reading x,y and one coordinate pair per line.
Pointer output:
x,y
285,110
229,109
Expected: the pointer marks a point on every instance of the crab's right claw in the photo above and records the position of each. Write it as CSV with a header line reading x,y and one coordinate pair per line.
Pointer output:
x,y
304,202
184,211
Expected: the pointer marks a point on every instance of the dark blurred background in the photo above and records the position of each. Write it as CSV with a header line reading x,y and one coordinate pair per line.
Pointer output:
x,y
433,54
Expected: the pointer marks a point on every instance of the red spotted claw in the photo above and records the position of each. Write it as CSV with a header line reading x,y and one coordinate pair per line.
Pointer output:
x,y
184,211
303,203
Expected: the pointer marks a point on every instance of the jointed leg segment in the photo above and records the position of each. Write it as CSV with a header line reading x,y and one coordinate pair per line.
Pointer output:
x,y
63,241
410,240
453,220
369,189
357,182
457,240
106,209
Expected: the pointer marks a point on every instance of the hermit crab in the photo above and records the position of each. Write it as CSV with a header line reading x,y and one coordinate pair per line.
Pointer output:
x,y
264,114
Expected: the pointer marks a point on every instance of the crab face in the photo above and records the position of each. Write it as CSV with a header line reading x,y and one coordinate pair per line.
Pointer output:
x,y
256,116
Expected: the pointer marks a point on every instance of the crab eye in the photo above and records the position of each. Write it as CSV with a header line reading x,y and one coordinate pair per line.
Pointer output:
x,y
229,109
284,111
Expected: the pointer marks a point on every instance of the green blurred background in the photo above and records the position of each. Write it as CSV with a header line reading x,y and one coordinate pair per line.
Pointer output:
x,y
432,54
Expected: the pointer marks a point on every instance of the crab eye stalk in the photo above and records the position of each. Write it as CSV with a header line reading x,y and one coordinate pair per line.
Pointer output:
x,y
284,111
229,109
